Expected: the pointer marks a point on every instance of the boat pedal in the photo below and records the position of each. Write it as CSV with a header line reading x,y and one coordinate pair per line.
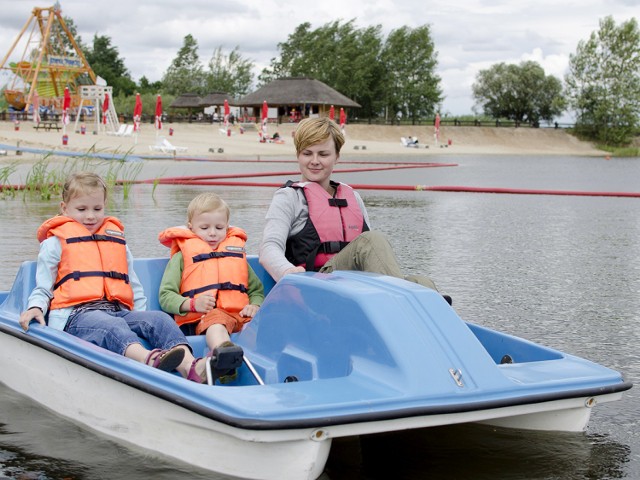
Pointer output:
x,y
227,358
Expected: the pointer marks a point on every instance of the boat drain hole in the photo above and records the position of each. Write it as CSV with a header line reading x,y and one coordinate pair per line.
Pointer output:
x,y
291,378
506,359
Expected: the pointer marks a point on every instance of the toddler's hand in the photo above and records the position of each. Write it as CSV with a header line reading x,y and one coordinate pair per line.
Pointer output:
x,y
205,303
27,317
249,311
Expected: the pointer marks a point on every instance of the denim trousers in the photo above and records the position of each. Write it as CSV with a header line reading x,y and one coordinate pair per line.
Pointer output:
x,y
115,331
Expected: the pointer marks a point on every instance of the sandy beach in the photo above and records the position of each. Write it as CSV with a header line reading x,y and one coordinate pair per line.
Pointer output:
x,y
209,141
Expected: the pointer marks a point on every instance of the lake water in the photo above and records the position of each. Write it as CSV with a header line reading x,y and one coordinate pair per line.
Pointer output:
x,y
563,271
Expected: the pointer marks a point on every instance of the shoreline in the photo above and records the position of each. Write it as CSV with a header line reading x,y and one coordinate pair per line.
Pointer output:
x,y
210,141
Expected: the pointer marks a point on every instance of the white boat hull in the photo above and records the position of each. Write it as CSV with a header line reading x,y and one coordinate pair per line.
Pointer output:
x,y
144,421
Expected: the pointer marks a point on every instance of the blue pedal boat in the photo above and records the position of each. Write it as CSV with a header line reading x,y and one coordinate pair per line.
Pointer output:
x,y
327,356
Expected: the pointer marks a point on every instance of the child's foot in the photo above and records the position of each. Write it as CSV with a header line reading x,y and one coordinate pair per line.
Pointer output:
x,y
165,360
224,361
198,370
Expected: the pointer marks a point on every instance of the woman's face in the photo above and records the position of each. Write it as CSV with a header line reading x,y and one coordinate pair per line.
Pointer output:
x,y
317,162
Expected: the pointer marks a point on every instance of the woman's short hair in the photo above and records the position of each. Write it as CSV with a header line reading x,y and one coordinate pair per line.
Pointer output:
x,y
312,131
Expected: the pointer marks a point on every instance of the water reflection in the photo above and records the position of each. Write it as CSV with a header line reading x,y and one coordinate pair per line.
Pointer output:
x,y
562,271
478,452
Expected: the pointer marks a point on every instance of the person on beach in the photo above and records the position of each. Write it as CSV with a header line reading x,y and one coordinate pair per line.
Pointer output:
x,y
208,285
86,285
318,224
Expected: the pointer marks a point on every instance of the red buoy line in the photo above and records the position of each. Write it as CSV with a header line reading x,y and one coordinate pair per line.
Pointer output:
x,y
198,178
294,161
526,191
418,188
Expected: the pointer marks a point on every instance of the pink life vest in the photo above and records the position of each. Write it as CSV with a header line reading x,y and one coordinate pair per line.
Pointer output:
x,y
333,222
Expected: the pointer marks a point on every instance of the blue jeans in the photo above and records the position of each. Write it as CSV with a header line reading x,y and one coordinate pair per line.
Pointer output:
x,y
115,331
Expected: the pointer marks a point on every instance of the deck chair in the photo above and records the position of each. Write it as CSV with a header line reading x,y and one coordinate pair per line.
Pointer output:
x,y
119,132
409,143
163,145
128,131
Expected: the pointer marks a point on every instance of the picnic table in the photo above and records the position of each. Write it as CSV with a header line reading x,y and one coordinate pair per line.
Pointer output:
x,y
47,126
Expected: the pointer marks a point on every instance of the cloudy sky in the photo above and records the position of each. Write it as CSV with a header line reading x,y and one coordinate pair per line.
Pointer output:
x,y
469,35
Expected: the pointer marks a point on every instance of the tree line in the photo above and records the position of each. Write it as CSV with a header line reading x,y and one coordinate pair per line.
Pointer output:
x,y
396,77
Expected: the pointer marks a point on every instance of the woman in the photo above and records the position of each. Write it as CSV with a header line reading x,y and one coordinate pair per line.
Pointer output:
x,y
317,224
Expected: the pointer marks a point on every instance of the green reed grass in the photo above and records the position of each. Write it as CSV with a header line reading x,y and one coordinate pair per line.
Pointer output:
x,y
46,179
7,189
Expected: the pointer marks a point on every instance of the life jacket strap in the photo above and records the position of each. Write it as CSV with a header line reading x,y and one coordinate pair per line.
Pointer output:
x,y
338,202
208,256
76,275
215,286
97,238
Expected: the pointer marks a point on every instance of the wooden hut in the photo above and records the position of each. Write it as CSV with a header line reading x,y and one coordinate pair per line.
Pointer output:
x,y
216,100
190,101
296,98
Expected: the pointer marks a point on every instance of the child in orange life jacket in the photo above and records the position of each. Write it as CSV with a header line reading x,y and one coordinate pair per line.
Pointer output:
x,y
208,284
86,283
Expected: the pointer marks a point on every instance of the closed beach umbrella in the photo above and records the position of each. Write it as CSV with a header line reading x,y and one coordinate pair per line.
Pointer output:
x,y
332,113
436,132
158,113
137,113
105,108
36,107
227,111
66,103
343,119
265,116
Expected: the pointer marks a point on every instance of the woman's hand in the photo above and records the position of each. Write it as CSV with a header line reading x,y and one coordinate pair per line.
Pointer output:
x,y
294,270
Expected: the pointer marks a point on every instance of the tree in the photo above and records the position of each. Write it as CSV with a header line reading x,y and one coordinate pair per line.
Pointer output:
x,y
340,55
105,61
231,74
411,84
603,83
522,93
185,73
145,86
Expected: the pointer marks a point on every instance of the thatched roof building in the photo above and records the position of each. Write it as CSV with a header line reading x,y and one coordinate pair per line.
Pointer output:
x,y
215,99
190,101
299,94
186,100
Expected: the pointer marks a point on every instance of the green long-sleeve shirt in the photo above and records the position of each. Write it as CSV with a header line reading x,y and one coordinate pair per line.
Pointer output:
x,y
169,295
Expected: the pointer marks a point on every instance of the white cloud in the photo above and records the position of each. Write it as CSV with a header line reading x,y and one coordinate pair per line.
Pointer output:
x,y
469,35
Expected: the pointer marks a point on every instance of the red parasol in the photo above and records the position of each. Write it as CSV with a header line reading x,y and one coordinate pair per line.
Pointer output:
x,y
66,103
36,107
137,113
332,113
105,108
343,119
158,113
436,132
265,117
227,111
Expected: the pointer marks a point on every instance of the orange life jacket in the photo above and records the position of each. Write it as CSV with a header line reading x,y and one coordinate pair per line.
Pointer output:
x,y
92,267
223,272
333,222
